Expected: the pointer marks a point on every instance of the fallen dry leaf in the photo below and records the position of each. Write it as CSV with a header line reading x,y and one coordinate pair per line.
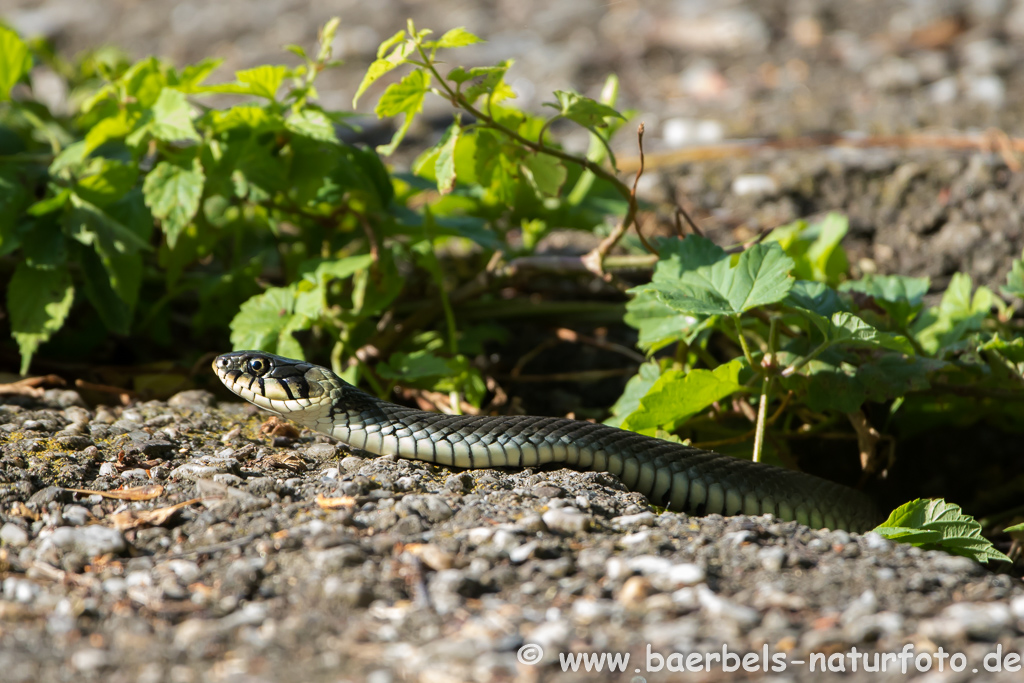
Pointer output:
x,y
335,503
275,426
130,519
285,461
148,492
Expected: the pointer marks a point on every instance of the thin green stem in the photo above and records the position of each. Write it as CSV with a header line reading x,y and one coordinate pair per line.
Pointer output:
x,y
798,365
744,345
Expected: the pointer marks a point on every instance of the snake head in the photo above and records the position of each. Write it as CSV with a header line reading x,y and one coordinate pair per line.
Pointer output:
x,y
272,382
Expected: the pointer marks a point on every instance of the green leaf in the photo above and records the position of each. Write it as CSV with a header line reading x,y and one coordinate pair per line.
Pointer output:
x,y
405,97
92,226
544,173
1005,355
900,296
826,256
677,396
327,34
251,116
106,181
636,388
172,117
1015,279
410,367
444,168
583,110
658,323
263,81
827,384
119,126
936,524
314,124
816,297
457,37
38,302
958,314
382,65
115,313
849,330
193,75
172,193
488,79
266,322
760,277
15,61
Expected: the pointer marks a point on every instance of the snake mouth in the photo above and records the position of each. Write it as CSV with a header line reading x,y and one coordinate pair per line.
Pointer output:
x,y
271,382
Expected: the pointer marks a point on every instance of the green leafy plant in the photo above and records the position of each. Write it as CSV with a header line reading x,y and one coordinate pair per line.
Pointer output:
x,y
937,525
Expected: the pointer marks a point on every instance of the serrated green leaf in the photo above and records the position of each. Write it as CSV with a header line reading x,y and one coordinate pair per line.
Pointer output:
x,y
172,193
658,324
444,167
263,81
760,277
1015,279
677,396
848,329
193,75
391,42
900,296
266,322
405,97
943,526
38,302
251,116
816,297
958,314
1004,355
314,124
457,37
487,78
172,117
583,110
15,61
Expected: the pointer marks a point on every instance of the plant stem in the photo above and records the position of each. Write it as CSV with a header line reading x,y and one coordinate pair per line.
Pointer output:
x,y
766,385
798,365
762,410
744,345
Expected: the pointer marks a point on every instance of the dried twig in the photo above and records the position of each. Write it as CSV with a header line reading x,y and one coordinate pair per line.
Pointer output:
x,y
31,386
595,259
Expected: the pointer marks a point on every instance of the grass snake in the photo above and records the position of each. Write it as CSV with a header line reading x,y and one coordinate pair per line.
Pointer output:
x,y
679,477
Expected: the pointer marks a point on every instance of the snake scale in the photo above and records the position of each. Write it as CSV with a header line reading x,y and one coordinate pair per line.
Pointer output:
x,y
669,474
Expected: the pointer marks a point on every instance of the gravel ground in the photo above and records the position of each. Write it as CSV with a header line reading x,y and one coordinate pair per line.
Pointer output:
x,y
301,561
426,574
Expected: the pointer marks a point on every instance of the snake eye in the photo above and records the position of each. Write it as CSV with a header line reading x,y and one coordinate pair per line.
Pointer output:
x,y
259,366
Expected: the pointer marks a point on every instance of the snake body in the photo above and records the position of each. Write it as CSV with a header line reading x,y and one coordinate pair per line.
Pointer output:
x,y
669,474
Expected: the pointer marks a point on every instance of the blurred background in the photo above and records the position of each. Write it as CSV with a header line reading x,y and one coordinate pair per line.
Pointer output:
x,y
696,71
